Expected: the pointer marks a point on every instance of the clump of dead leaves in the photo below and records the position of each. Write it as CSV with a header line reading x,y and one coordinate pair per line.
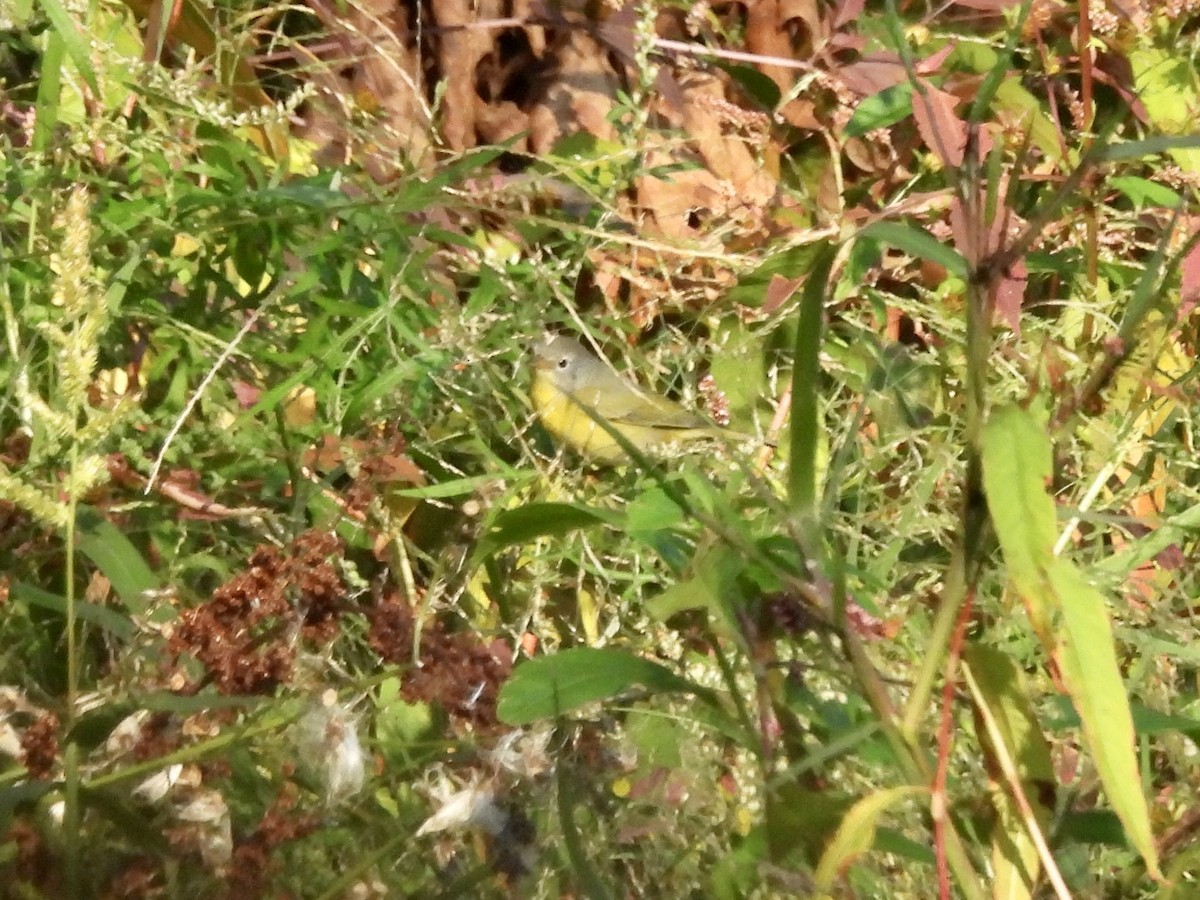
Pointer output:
x,y
639,80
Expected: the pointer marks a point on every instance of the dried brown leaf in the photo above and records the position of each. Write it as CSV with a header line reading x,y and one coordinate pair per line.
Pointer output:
x,y
459,53
1010,295
873,73
585,80
779,291
976,243
766,36
994,6
1189,273
846,11
940,128
933,62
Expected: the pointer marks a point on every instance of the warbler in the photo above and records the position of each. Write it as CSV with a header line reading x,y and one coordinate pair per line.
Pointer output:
x,y
572,388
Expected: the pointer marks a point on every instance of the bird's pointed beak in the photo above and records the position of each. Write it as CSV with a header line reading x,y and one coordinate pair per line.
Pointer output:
x,y
541,358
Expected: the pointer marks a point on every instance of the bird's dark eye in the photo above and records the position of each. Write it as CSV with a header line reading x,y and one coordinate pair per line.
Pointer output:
x,y
562,363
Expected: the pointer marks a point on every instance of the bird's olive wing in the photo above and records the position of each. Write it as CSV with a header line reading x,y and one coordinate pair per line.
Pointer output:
x,y
632,407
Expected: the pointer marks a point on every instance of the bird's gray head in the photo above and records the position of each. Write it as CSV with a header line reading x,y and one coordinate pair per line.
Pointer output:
x,y
566,362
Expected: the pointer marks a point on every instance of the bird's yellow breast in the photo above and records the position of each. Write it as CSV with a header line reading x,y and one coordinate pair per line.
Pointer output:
x,y
567,421
570,423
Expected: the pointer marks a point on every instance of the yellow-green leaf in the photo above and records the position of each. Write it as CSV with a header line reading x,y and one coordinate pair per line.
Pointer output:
x,y
1088,662
1016,470
856,835
1016,466
1165,81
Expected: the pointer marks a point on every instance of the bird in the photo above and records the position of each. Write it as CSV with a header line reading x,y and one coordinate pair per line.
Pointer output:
x,y
572,389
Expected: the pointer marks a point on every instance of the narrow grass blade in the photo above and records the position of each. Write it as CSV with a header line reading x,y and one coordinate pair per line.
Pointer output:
x,y
806,368
72,39
49,91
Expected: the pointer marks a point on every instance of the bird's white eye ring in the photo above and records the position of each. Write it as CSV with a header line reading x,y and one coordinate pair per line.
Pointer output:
x,y
562,363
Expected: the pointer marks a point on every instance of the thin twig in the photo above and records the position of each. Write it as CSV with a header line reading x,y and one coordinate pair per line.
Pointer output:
x,y
199,392
940,804
732,55
1181,831
771,440
1008,768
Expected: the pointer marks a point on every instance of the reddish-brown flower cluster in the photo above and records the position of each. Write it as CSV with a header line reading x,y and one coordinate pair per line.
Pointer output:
x,y
456,671
40,746
158,737
318,584
254,859
245,635
34,862
141,877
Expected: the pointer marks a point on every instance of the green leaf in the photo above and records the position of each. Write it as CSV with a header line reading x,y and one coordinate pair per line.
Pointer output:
x,y
1149,721
313,193
1073,618
49,91
185,705
856,835
457,487
801,819
1144,192
73,40
1016,470
915,242
552,685
888,840
23,794
95,725
1014,99
1167,79
1152,146
1093,826
691,593
116,557
759,86
1175,530
126,819
653,510
101,616
534,520
1092,675
794,262
712,587
1165,82
588,880
737,874
1151,647
880,110
999,75
659,740
1002,688
399,725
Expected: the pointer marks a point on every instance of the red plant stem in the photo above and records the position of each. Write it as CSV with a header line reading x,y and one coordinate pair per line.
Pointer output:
x,y
940,806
